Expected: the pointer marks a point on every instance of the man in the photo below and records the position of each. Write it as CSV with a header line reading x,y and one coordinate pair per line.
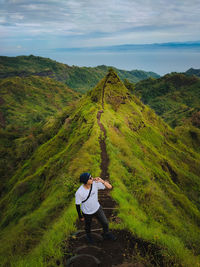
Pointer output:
x,y
87,197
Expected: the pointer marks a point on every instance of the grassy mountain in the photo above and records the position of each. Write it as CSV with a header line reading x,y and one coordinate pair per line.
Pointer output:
x,y
155,181
175,97
28,100
77,78
27,106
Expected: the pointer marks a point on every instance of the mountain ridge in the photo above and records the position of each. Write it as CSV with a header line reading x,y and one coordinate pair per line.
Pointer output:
x,y
80,79
155,179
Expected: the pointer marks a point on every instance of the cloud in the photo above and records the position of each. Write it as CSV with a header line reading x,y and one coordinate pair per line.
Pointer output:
x,y
92,22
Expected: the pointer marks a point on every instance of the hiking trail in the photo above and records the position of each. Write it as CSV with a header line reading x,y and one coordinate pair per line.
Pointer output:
x,y
106,253
103,253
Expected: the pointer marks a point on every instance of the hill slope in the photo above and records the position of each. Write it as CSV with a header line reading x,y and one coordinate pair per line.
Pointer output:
x,y
154,175
26,104
78,78
175,97
28,100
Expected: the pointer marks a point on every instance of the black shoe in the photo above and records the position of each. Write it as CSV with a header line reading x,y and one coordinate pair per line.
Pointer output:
x,y
89,239
109,236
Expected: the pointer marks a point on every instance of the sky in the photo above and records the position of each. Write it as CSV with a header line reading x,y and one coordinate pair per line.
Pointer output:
x,y
91,32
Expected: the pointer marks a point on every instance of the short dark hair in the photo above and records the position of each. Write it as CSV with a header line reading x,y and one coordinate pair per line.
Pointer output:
x,y
84,177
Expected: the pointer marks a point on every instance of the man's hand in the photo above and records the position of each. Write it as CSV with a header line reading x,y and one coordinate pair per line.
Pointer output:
x,y
106,183
98,179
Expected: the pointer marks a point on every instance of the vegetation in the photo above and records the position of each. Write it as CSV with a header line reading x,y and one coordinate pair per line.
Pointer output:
x,y
175,97
38,201
155,176
156,179
77,78
130,86
29,106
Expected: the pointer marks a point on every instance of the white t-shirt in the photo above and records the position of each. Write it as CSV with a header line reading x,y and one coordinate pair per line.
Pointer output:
x,y
92,204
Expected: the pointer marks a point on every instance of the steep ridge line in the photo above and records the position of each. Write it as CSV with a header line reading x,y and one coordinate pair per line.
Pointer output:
x,y
104,156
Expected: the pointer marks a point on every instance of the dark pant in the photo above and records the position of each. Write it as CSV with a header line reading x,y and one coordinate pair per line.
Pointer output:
x,y
100,217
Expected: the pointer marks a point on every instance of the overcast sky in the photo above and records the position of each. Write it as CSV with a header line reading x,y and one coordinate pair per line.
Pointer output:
x,y
38,25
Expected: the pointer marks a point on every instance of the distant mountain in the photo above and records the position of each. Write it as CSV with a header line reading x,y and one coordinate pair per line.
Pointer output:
x,y
80,79
192,71
155,179
195,45
175,97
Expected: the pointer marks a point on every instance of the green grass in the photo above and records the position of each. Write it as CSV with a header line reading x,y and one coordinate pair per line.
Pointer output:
x,y
50,178
49,250
153,172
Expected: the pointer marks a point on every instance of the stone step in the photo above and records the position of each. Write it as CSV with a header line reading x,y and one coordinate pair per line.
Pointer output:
x,y
83,260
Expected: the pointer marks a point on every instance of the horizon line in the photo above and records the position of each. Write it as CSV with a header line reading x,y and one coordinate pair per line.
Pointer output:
x,y
126,47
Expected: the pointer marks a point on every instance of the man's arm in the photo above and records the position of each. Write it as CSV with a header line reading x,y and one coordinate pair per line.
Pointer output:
x,y
79,212
78,202
106,183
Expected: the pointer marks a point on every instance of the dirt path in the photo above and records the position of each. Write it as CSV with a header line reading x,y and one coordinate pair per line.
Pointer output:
x,y
102,253
106,253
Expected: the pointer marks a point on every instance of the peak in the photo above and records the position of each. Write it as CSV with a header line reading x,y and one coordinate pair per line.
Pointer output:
x,y
112,76
110,90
